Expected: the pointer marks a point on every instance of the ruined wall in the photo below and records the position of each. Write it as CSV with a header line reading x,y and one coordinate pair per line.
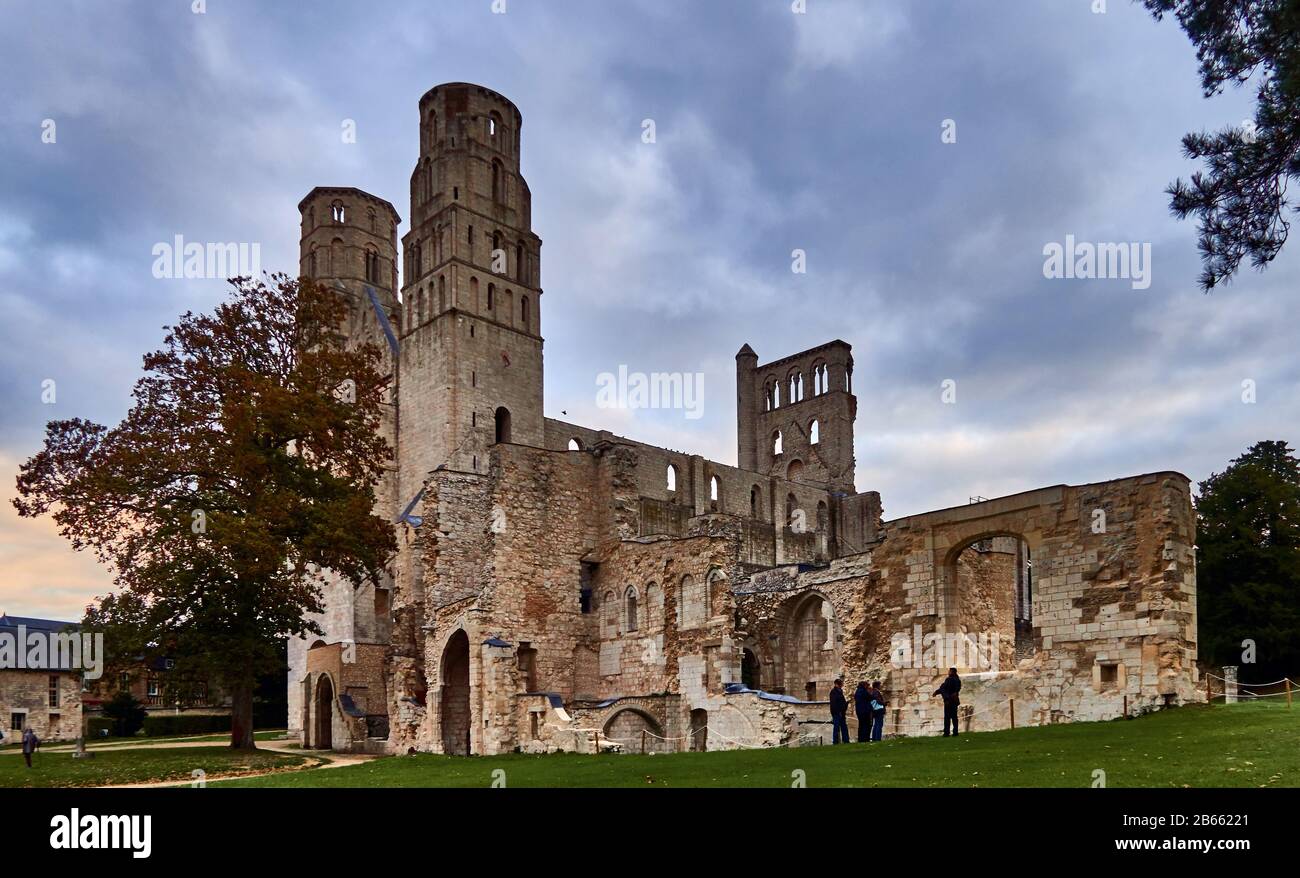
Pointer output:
x,y
1113,610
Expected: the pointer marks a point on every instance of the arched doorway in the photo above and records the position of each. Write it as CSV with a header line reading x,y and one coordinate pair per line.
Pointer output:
x,y
455,695
699,730
324,737
750,670
638,732
503,425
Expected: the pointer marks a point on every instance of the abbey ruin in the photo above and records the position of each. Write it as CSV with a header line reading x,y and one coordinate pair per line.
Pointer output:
x,y
558,587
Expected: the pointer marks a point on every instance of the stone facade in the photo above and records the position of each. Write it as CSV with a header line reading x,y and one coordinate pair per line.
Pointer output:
x,y
561,588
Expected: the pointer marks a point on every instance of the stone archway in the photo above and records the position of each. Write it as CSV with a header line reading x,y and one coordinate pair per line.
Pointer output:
x,y
454,701
324,736
751,672
636,731
989,601
810,647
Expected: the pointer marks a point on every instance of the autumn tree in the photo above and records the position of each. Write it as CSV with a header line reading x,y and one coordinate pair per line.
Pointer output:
x,y
246,465
1240,200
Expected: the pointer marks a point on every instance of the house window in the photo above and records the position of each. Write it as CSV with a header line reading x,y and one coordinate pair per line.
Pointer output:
x,y
54,690
153,689
16,721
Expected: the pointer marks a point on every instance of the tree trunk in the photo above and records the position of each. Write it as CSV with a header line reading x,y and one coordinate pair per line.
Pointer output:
x,y
241,717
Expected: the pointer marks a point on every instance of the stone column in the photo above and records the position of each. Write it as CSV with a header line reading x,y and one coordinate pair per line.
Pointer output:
x,y
1230,684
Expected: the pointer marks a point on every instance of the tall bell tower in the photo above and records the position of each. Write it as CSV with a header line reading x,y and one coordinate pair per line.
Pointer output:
x,y
471,342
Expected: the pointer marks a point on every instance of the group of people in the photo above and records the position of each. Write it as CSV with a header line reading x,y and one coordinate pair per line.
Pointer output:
x,y
30,743
869,704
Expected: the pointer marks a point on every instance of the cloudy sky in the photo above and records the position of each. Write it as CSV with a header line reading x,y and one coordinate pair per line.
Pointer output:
x,y
775,131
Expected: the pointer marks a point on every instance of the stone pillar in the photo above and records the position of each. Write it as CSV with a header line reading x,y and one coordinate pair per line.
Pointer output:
x,y
1230,684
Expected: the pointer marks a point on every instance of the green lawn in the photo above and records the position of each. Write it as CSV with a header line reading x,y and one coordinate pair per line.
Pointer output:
x,y
1244,745
135,765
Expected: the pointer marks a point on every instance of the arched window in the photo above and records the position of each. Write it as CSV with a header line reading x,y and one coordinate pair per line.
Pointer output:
x,y
503,425
776,443
713,489
814,432
631,600
338,212
755,500
419,261
519,262
498,182
714,587
372,265
473,292
672,478
794,471
823,516
791,506
442,288
336,257
492,295
776,394
311,262
523,309
767,397
575,444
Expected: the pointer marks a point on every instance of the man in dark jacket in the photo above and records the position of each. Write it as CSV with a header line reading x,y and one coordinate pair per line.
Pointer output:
x,y
30,743
949,689
862,707
839,713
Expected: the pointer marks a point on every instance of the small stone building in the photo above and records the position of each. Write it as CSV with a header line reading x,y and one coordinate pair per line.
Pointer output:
x,y
558,587
46,699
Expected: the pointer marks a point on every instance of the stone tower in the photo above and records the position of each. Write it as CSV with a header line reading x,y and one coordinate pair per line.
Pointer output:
x,y
794,416
348,242
471,348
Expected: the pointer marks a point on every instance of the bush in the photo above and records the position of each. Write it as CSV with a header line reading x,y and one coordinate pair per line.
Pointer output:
x,y
125,713
163,725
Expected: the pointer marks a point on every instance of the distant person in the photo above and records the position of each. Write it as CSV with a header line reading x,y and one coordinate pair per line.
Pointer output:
x,y
839,713
30,743
949,689
862,707
878,705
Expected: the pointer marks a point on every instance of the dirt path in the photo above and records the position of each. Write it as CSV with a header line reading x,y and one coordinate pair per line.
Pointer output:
x,y
318,763
317,760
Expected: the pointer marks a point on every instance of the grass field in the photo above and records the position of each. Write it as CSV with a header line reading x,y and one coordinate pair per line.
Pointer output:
x,y
1243,745
135,765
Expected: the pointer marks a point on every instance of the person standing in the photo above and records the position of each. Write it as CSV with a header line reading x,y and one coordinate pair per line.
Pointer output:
x,y
878,705
30,743
862,707
839,713
949,689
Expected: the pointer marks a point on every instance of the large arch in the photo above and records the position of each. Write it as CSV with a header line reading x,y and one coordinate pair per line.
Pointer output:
x,y
988,596
453,701
636,730
810,646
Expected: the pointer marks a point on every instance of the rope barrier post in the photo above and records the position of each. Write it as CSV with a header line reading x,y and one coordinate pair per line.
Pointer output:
x,y
1126,706
1230,684
1209,696
1013,713
643,742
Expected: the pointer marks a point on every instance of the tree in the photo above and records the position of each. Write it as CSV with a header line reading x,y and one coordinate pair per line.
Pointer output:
x,y
1241,203
246,466
1248,560
126,713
